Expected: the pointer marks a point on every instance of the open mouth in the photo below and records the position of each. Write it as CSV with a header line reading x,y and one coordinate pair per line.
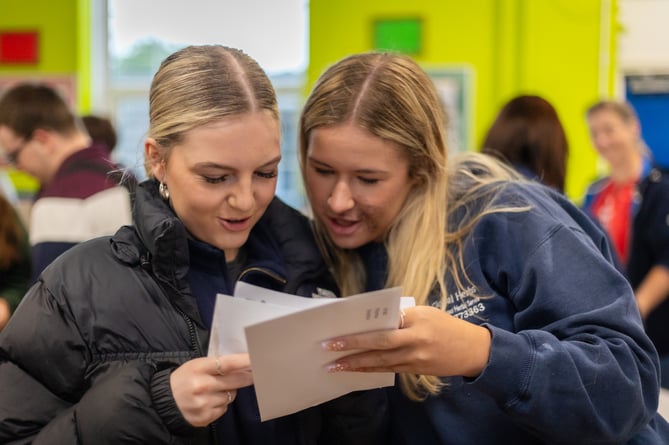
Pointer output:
x,y
235,225
341,226
343,222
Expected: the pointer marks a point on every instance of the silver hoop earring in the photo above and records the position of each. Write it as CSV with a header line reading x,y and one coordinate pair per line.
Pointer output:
x,y
164,191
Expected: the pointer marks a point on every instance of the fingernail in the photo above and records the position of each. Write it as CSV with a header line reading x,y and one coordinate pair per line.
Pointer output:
x,y
333,345
337,367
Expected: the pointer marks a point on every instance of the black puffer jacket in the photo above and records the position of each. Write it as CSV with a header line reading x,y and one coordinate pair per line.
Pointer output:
x,y
87,356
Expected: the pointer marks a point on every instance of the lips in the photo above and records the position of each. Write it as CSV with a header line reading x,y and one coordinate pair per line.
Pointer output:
x,y
340,226
235,225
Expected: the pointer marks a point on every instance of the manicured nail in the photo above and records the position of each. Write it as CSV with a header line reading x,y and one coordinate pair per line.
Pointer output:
x,y
333,345
337,367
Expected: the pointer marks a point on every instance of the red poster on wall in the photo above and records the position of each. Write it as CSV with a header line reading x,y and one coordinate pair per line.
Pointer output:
x,y
19,47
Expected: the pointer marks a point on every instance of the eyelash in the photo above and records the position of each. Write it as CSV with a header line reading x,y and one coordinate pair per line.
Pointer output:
x,y
216,180
325,172
219,179
322,171
267,175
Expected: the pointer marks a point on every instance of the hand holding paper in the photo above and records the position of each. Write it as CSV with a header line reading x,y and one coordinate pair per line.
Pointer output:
x,y
283,335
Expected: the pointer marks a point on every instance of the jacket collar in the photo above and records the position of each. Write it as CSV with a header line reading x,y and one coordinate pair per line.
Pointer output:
x,y
281,244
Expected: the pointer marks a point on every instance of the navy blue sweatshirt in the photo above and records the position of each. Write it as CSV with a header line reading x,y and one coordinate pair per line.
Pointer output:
x,y
569,360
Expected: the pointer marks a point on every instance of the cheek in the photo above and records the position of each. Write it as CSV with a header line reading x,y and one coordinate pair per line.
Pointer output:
x,y
391,203
265,193
191,208
187,194
316,190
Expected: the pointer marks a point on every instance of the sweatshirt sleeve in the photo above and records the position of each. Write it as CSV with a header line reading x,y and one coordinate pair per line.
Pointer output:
x,y
573,356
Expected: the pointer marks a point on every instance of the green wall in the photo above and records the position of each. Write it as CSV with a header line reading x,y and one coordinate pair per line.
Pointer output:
x,y
562,50
55,21
63,27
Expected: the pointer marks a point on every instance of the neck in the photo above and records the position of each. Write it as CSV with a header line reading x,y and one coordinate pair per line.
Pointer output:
x,y
628,169
73,144
66,147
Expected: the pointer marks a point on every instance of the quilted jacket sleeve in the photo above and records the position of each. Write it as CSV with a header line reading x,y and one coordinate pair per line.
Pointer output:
x,y
47,395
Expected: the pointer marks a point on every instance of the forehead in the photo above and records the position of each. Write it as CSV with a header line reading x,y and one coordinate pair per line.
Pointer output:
x,y
254,136
606,116
231,124
346,142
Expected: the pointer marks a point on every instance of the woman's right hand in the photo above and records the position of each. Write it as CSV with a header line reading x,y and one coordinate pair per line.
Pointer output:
x,y
204,387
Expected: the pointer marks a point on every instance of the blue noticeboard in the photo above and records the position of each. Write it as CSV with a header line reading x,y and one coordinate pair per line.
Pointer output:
x,y
649,95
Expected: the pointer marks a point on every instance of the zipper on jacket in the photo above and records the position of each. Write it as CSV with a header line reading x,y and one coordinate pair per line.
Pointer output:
x,y
193,333
267,272
195,344
194,341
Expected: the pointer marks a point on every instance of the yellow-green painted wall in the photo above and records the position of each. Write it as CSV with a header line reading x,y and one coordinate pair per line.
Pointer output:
x,y
64,29
64,36
562,50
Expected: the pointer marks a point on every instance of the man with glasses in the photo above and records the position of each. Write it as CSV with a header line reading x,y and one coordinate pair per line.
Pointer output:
x,y
78,198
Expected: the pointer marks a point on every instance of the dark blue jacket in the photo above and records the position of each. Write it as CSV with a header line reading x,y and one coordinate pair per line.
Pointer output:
x,y
87,356
649,241
569,361
650,248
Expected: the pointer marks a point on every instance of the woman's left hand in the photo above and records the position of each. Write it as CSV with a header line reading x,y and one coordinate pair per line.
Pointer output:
x,y
5,312
430,342
203,388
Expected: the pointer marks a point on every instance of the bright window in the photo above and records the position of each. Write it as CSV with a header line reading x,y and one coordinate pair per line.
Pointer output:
x,y
140,34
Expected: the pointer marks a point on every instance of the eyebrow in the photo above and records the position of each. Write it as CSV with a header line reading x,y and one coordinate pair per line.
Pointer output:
x,y
270,163
366,171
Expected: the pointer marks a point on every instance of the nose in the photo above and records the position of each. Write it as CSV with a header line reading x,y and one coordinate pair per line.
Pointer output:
x,y
596,137
599,139
241,197
341,198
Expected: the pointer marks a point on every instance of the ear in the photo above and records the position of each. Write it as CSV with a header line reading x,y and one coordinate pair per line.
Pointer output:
x,y
155,160
44,137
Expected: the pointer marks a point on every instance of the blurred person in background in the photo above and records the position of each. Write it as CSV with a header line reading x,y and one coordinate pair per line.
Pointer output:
x,y
7,188
632,204
528,135
102,133
14,260
77,199
101,130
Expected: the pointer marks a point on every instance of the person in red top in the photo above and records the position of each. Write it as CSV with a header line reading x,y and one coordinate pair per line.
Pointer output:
x,y
632,204
616,134
611,207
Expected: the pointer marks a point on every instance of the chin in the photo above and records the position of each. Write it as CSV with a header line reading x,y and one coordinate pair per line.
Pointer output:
x,y
347,242
229,244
